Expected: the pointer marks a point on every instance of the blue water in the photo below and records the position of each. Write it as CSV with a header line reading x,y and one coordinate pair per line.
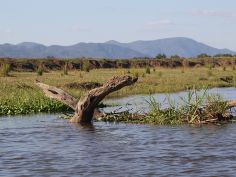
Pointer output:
x,y
45,145
138,103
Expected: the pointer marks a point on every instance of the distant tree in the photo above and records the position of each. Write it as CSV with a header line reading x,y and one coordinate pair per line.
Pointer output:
x,y
161,56
175,57
146,58
223,55
203,55
51,57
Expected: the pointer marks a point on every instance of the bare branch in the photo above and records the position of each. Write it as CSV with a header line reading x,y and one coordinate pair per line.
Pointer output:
x,y
58,94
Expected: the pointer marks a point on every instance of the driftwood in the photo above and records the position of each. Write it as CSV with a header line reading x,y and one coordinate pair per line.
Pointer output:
x,y
85,107
231,104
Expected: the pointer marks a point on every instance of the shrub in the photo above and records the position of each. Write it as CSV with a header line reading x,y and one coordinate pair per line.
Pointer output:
x,y
175,57
203,55
85,66
148,71
65,69
5,69
136,74
40,71
160,74
161,56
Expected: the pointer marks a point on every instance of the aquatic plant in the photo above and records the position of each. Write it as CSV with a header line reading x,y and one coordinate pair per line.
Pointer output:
x,y
196,108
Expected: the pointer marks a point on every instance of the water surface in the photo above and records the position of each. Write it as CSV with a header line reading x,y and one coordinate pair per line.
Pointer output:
x,y
44,145
138,103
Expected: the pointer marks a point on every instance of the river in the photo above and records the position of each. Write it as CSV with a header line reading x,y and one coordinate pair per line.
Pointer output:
x,y
45,145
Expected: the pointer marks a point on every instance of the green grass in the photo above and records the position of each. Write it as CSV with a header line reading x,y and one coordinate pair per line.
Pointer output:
x,y
19,95
5,70
25,101
196,108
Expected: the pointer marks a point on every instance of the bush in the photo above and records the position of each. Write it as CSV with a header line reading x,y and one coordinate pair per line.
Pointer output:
x,y
40,71
203,55
85,66
148,71
136,74
5,69
65,69
175,57
161,56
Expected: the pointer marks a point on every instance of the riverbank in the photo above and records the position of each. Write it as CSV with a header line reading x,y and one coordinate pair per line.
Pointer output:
x,y
19,95
53,64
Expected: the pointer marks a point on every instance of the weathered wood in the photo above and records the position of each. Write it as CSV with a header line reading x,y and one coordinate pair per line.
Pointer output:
x,y
85,107
58,94
231,104
87,104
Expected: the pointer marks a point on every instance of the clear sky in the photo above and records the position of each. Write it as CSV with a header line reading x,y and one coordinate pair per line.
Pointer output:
x,y
67,22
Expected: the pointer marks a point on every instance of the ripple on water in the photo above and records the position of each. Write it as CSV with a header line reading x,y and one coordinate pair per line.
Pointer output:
x,y
43,145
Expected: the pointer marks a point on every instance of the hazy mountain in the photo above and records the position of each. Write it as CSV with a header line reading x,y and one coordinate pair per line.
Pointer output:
x,y
96,50
112,49
181,46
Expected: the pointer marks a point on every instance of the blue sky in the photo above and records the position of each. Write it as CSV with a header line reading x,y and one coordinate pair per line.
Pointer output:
x,y
66,22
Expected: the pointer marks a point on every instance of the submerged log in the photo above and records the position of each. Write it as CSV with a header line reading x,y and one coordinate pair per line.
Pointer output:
x,y
85,107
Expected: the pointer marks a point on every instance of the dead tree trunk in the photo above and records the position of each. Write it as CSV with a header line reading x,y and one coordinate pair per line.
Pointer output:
x,y
84,108
231,104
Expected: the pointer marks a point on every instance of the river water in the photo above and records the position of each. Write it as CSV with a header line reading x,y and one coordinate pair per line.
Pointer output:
x,y
138,103
45,145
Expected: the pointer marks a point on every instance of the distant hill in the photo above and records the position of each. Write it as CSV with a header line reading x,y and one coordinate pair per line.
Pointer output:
x,y
184,47
181,46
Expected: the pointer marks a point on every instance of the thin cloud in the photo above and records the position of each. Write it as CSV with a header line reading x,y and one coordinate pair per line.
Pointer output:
x,y
214,13
159,23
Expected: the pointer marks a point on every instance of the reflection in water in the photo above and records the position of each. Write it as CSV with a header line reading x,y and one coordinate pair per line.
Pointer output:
x,y
86,127
43,145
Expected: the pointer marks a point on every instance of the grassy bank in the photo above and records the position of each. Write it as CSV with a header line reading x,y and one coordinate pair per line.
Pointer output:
x,y
19,95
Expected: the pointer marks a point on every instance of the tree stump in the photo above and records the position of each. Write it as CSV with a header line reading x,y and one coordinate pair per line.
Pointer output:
x,y
85,107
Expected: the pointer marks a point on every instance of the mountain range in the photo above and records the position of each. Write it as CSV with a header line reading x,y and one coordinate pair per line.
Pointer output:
x,y
184,47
